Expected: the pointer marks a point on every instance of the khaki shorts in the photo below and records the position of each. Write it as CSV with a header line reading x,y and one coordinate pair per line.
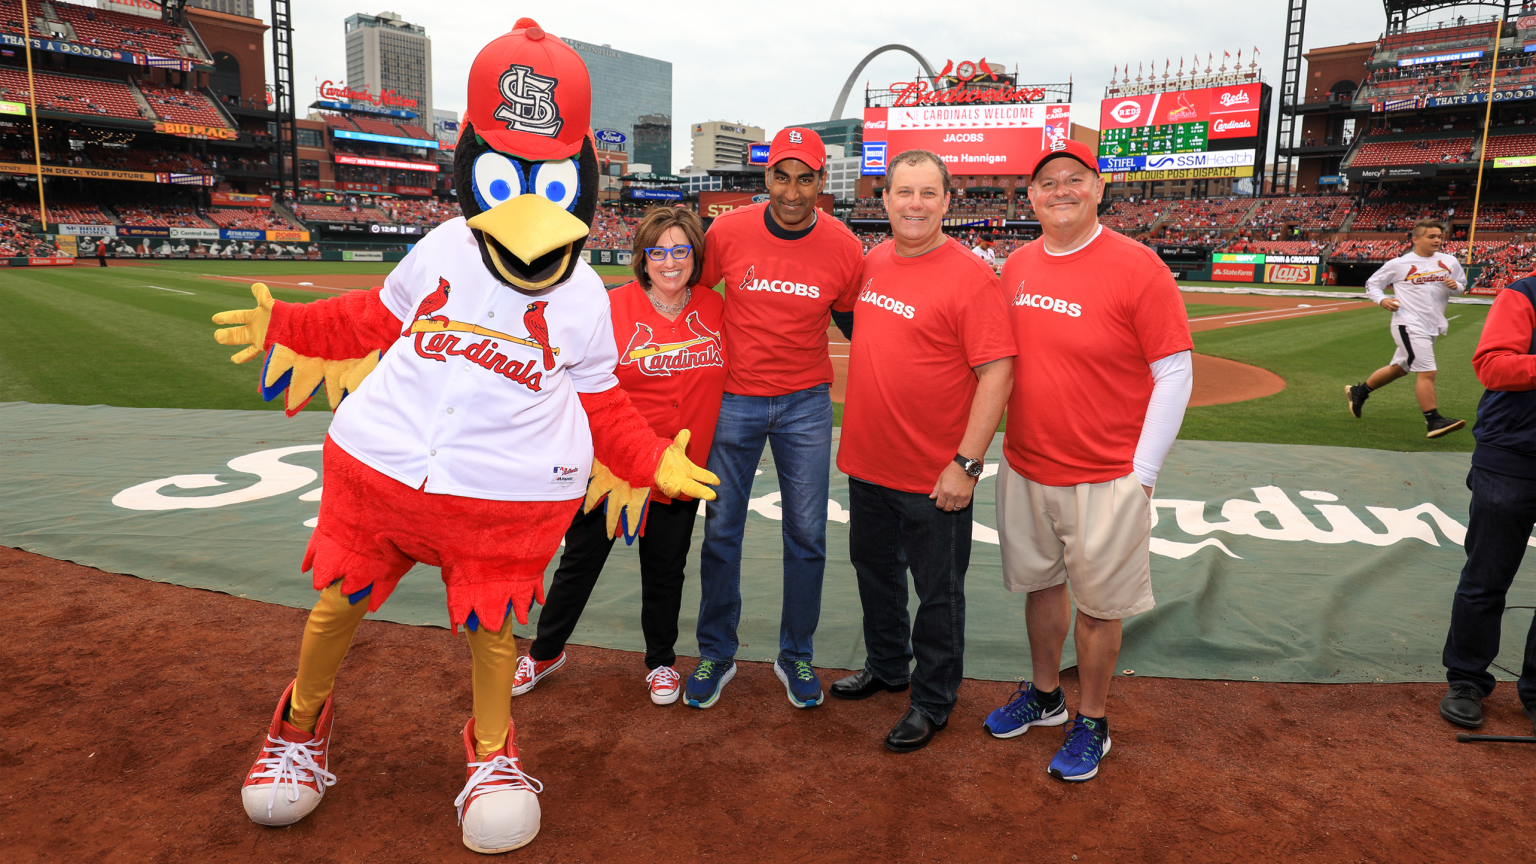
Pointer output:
x,y
1092,535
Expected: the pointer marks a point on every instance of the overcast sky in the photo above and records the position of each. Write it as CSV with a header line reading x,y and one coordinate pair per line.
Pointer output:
x,y
780,65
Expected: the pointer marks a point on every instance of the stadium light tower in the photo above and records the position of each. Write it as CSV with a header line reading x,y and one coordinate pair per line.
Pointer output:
x,y
1290,96
282,73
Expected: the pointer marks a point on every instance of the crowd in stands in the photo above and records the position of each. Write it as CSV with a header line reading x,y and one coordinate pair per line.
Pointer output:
x,y
181,106
18,242
1133,216
162,215
1419,152
70,95
250,219
149,160
1222,214
614,227
1308,212
95,26
1245,245
58,213
1350,251
1395,215
428,212
339,213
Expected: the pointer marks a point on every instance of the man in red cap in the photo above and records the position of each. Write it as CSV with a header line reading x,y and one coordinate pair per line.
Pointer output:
x,y
785,269
1104,346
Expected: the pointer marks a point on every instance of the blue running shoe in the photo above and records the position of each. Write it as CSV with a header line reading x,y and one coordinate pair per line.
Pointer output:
x,y
706,682
1023,711
1078,759
800,681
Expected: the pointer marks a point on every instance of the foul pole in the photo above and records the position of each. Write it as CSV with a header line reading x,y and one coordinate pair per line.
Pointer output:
x,y
37,152
1477,194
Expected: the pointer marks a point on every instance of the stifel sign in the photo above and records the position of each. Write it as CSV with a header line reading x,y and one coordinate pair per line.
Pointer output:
x,y
387,99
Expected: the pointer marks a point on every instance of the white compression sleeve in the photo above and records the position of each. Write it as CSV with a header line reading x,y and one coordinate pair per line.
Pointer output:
x,y
1173,379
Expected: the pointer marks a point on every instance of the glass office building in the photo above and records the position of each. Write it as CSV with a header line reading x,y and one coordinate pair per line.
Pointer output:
x,y
631,95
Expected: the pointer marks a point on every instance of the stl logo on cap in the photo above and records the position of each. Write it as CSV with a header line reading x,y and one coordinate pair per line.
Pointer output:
x,y
1058,145
795,137
529,104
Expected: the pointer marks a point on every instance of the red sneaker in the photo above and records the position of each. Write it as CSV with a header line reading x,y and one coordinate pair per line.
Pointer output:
x,y
665,685
531,671
289,778
499,807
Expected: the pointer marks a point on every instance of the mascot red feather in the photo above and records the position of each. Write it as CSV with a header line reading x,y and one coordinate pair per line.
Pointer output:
x,y
479,391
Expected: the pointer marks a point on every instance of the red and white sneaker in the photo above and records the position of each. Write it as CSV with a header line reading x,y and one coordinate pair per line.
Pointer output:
x,y
666,685
531,672
289,778
499,807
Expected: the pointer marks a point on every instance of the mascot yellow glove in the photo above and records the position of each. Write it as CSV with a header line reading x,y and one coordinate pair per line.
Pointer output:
x,y
343,377
623,499
307,372
253,332
675,475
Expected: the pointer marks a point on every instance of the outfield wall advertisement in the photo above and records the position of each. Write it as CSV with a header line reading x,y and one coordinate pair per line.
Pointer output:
x,y
1270,269
971,139
154,232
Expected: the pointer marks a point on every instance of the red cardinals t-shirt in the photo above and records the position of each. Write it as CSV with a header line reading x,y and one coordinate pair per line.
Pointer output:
x,y
923,323
674,371
1088,326
778,298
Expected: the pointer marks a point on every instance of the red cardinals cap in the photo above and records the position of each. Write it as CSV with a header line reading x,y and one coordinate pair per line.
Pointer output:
x,y
530,95
1068,148
802,144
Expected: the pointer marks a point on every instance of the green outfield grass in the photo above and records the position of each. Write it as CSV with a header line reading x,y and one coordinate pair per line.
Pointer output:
x,y
1317,356
1206,310
141,337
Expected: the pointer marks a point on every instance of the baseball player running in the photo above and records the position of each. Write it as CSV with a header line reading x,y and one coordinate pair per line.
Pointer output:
x,y
1422,281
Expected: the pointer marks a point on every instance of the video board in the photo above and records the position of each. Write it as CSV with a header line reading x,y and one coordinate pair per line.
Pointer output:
x,y
1209,132
971,139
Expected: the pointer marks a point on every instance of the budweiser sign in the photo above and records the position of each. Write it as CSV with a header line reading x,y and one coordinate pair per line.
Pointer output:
x,y
915,94
386,99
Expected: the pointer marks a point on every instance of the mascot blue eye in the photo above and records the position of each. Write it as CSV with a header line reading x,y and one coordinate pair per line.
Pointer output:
x,y
497,180
558,181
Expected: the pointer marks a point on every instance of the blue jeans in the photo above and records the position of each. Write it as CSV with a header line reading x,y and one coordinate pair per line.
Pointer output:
x,y
889,532
798,426
1502,512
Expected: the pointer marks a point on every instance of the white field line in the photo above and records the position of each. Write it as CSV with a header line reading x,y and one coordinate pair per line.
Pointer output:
x,y
172,290
1278,317
1269,311
253,279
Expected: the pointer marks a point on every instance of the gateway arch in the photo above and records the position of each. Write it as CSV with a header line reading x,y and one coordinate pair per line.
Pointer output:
x,y
842,98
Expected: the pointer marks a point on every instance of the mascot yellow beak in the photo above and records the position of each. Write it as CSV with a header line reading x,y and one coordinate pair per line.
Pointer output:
x,y
529,227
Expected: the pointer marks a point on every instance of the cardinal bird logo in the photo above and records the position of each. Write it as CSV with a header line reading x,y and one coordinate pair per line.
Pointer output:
x,y
429,304
538,331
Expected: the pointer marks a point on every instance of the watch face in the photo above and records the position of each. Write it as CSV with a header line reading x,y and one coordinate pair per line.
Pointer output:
x,y
973,468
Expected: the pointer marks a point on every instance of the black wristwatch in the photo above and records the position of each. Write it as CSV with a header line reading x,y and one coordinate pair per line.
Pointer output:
x,y
972,466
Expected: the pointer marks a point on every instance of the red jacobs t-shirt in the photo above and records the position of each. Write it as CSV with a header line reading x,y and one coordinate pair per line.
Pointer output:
x,y
673,371
778,298
1088,326
921,327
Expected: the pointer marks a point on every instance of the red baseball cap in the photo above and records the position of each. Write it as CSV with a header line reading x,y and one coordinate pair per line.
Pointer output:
x,y
530,95
1068,148
796,143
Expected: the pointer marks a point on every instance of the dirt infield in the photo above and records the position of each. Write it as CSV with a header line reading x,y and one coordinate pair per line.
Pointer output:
x,y
131,710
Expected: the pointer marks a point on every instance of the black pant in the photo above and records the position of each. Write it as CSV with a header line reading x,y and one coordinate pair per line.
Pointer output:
x,y
102,260
663,552
1502,513
888,532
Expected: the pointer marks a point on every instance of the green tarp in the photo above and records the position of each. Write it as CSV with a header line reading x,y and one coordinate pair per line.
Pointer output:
x,y
1270,562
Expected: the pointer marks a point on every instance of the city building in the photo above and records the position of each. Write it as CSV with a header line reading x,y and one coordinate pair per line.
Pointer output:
x,y
632,96
717,143
387,55
843,175
243,8
847,133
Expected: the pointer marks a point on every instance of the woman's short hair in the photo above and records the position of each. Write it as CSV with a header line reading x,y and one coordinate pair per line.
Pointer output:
x,y
648,233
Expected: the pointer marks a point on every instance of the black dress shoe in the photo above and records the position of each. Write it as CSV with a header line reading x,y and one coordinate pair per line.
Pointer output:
x,y
912,732
1463,705
862,685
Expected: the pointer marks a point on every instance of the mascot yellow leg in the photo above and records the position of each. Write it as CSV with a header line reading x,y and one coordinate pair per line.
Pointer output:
x,y
499,807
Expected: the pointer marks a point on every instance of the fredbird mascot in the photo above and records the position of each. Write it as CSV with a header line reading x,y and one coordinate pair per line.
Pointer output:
x,y
479,386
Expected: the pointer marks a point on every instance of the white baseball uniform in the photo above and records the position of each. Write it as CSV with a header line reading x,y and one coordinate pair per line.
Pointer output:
x,y
1422,285
468,407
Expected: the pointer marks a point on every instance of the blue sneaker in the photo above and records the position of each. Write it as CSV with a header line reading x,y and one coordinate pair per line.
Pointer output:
x,y
706,682
1078,759
1023,711
800,681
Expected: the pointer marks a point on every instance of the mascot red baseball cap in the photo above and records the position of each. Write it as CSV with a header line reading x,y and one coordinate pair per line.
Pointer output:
x,y
1068,148
530,95
795,143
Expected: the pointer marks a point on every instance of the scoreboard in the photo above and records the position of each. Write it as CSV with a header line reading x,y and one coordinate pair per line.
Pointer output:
x,y
1154,140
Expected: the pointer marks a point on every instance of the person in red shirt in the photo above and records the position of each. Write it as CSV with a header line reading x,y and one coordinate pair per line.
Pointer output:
x,y
927,381
1103,377
785,269
672,364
